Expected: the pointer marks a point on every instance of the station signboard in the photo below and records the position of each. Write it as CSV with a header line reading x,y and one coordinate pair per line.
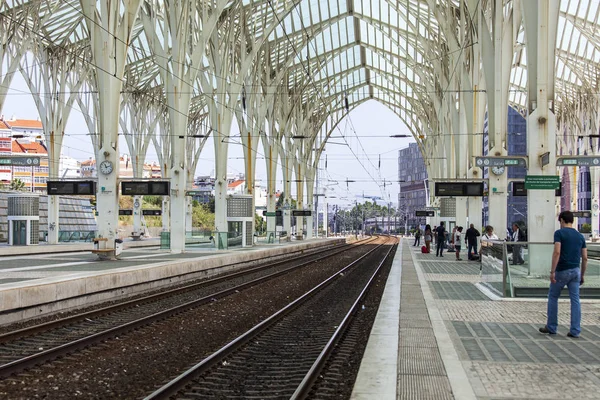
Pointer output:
x,y
142,188
152,212
483,162
276,213
458,189
73,188
582,214
518,189
578,161
125,212
301,213
542,182
425,213
20,161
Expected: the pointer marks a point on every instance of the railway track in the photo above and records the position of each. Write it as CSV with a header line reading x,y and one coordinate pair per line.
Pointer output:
x,y
283,356
34,345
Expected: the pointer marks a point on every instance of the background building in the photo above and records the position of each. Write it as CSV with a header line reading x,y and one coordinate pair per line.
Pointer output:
x,y
412,176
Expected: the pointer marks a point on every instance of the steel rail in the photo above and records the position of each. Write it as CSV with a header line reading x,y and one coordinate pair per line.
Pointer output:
x,y
313,374
55,352
180,382
28,331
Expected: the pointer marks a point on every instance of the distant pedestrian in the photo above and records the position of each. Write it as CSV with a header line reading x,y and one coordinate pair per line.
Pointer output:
x,y
569,251
471,239
457,242
441,239
517,236
417,237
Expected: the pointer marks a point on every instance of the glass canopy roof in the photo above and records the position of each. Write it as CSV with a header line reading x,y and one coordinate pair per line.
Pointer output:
x,y
329,50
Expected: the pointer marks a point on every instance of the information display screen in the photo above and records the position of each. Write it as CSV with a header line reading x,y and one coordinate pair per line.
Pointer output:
x,y
87,187
159,188
134,188
459,189
63,188
518,189
142,188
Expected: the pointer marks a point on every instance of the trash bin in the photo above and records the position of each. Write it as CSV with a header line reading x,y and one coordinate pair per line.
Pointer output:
x,y
118,247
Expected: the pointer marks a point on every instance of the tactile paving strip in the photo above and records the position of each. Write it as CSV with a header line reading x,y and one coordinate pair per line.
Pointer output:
x,y
417,337
424,387
420,361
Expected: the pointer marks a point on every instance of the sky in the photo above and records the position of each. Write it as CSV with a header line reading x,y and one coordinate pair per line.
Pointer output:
x,y
369,159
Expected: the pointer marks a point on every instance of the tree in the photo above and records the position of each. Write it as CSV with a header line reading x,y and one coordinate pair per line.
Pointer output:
x,y
260,224
17,184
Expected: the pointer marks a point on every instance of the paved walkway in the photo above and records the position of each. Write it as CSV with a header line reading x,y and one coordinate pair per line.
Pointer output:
x,y
453,341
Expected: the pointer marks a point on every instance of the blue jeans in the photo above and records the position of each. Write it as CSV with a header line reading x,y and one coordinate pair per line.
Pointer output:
x,y
474,247
571,279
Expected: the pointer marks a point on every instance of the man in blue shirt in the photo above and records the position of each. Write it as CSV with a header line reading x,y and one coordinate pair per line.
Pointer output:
x,y
569,250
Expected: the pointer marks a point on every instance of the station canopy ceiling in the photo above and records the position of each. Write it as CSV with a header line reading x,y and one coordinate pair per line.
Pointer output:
x,y
328,50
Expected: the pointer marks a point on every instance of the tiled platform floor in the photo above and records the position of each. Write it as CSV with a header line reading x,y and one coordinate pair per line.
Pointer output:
x,y
498,343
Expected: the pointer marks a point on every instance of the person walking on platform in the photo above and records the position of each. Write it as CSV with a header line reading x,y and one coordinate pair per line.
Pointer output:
x,y
441,239
569,251
471,240
417,237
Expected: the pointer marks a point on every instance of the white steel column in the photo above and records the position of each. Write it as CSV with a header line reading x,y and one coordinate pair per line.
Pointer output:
x,y
461,211
110,25
286,166
541,19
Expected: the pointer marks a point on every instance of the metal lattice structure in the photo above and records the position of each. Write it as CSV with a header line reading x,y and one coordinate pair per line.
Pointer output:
x,y
289,71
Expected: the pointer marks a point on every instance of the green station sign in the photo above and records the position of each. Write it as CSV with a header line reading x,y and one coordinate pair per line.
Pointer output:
x,y
20,161
505,161
542,182
577,161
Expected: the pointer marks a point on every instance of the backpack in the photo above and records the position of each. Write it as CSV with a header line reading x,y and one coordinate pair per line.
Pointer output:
x,y
424,249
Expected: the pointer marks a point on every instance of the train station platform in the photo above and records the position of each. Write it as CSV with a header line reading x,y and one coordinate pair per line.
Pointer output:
x,y
438,336
37,280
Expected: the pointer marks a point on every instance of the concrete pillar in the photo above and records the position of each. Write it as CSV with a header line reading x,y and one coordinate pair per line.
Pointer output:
x,y
498,203
166,213
541,19
189,207
53,219
137,215
461,212
541,211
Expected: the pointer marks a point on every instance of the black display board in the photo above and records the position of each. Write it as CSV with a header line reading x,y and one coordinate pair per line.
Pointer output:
x,y
151,212
518,189
125,212
142,188
458,189
301,213
425,213
84,188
